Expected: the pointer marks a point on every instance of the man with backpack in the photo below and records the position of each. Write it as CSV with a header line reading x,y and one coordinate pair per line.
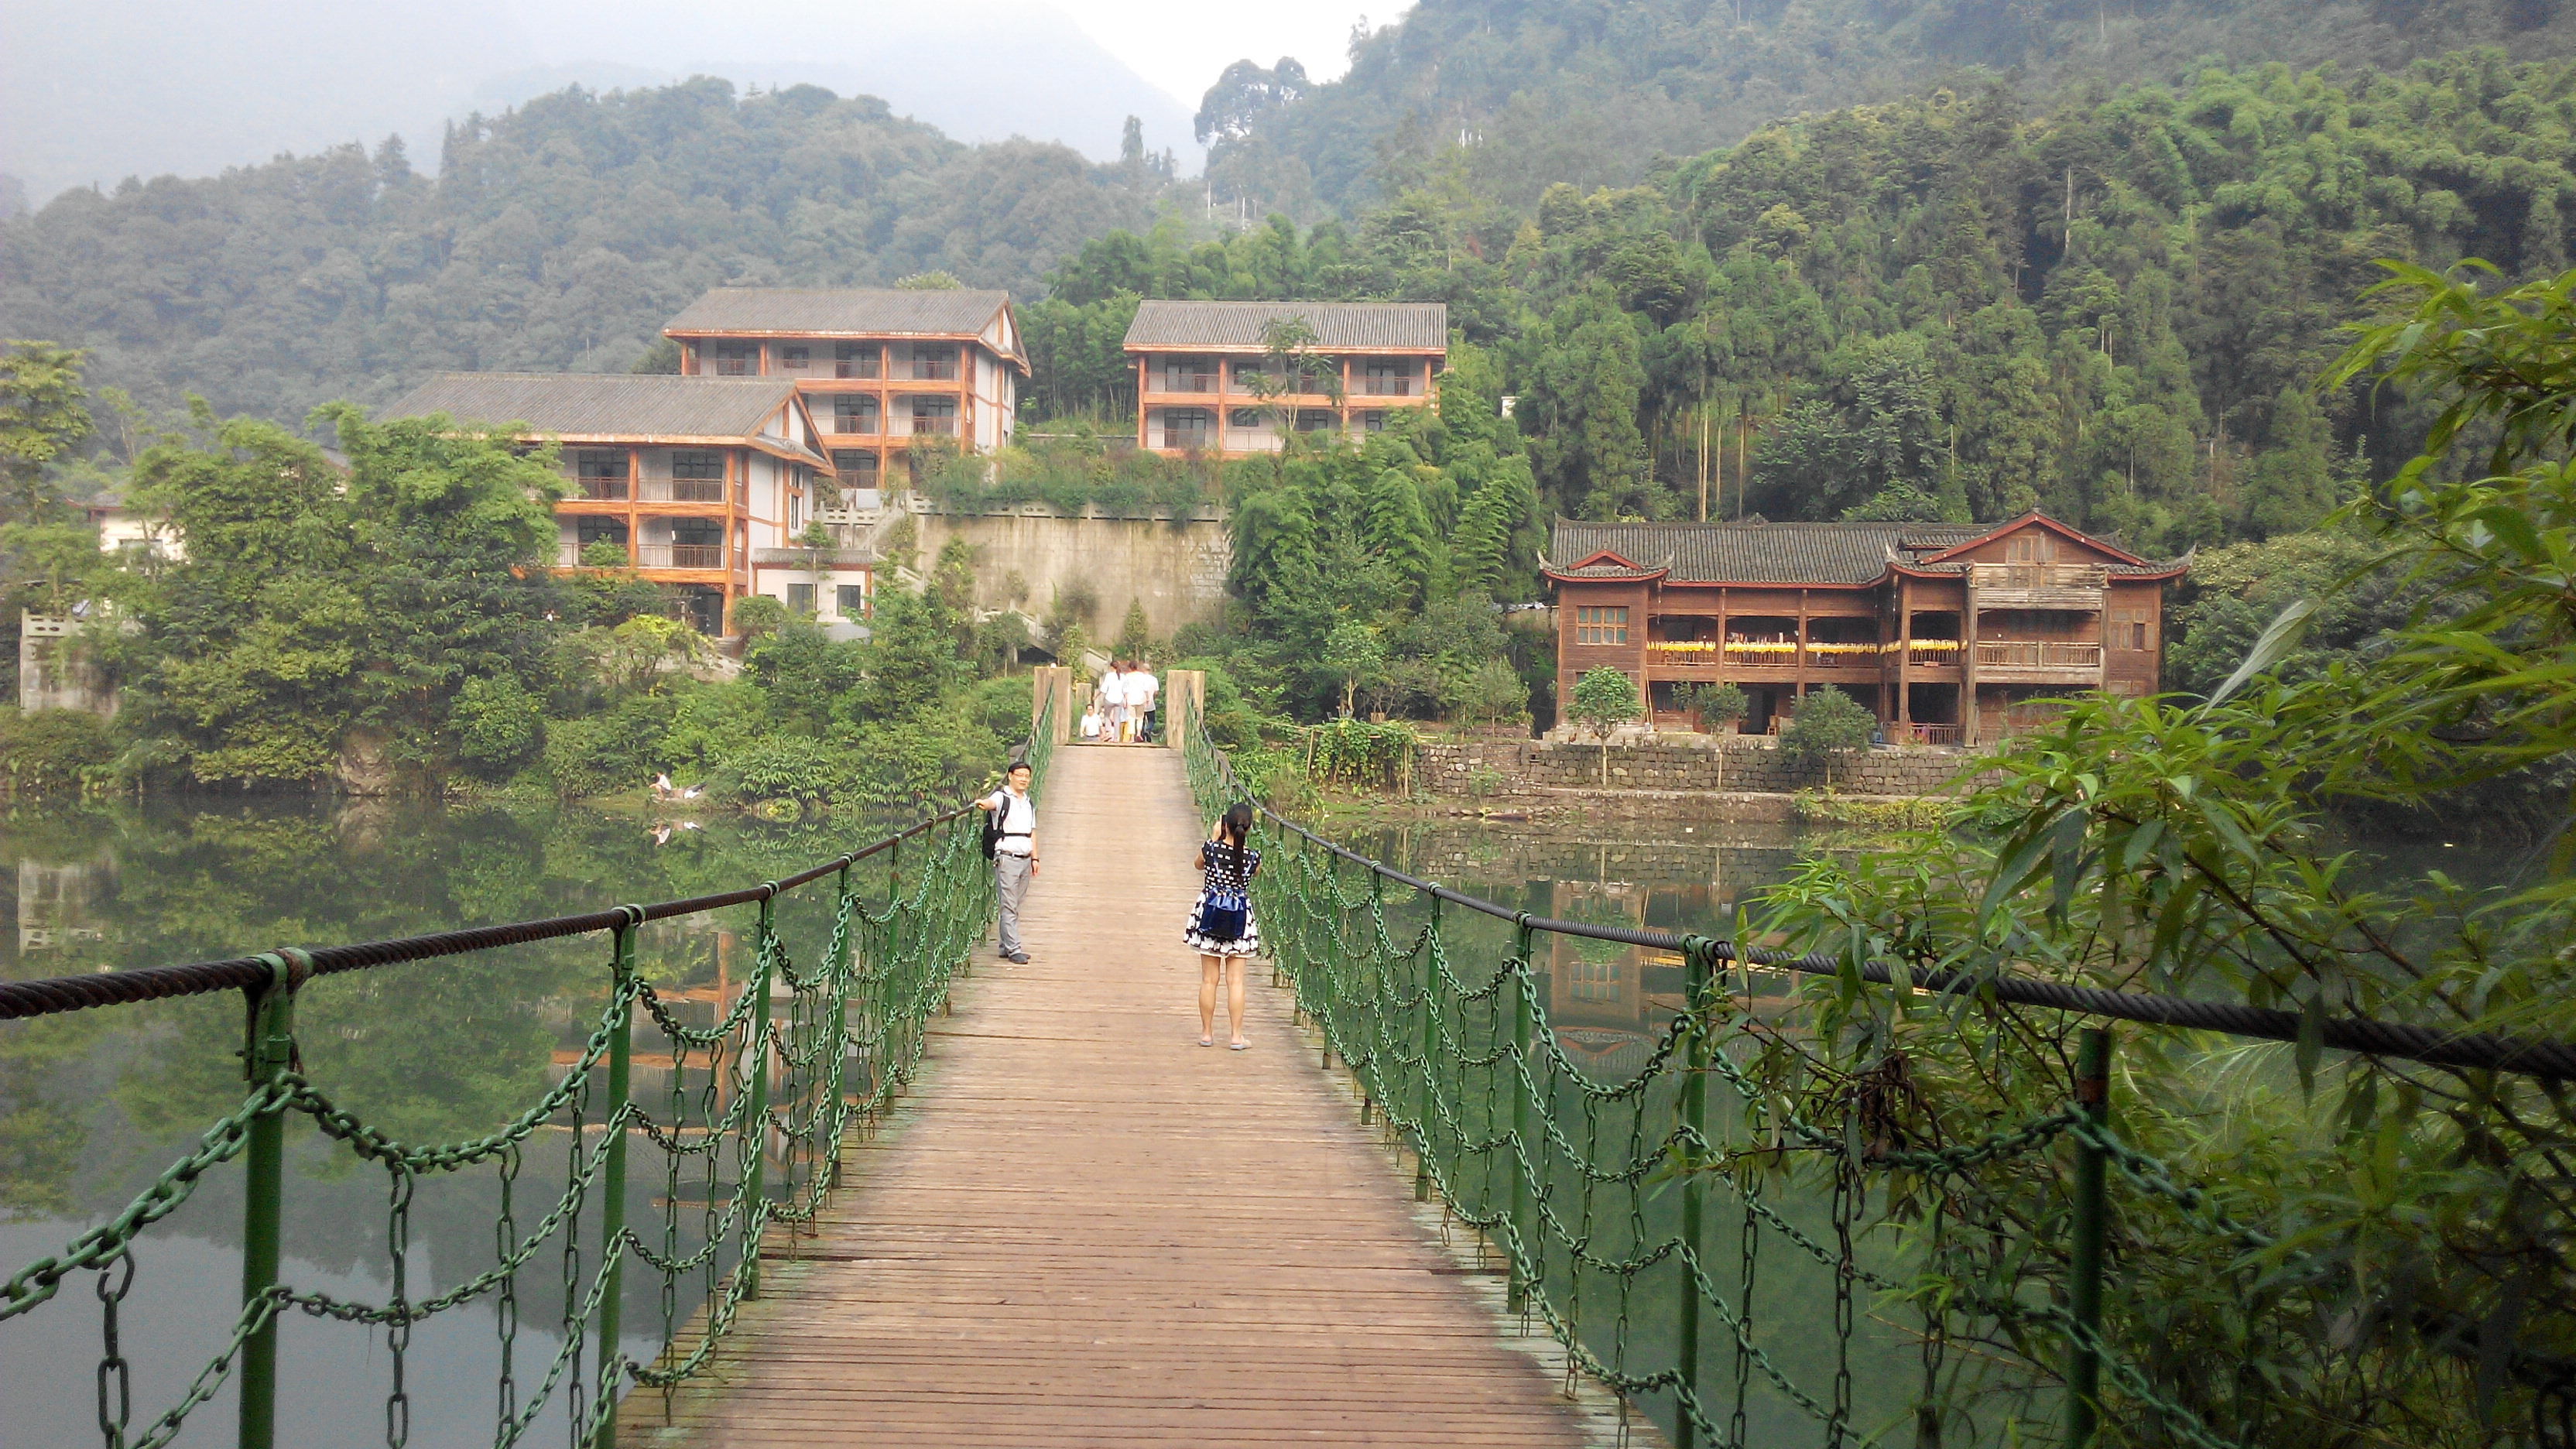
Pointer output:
x,y
1011,839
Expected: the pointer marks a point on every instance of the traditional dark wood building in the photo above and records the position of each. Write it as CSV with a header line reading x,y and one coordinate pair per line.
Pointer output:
x,y
879,368
694,477
1949,632
1196,363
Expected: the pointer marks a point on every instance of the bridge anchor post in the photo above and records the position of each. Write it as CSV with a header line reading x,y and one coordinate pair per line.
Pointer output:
x,y
612,1214
267,1057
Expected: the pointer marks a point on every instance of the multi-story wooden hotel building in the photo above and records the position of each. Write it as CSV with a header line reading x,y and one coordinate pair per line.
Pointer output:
x,y
696,478
1197,362
879,368
1948,632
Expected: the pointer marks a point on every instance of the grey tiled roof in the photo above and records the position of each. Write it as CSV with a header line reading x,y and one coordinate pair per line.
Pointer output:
x,y
1395,326
1774,553
841,311
1767,553
606,405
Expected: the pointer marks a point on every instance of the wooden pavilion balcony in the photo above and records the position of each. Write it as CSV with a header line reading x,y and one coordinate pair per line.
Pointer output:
x,y
2037,662
2039,586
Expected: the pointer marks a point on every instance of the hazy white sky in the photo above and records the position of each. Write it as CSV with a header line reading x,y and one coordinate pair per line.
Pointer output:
x,y
1182,45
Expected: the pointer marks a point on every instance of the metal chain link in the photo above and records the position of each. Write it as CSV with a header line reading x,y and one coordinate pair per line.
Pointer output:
x,y
112,1367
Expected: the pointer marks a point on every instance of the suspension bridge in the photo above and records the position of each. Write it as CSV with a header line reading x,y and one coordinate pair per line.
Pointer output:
x,y
874,1190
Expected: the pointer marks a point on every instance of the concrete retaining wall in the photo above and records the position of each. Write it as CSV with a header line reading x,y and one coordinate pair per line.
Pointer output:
x,y
1175,567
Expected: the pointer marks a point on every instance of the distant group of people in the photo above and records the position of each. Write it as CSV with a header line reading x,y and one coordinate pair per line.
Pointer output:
x,y
1122,705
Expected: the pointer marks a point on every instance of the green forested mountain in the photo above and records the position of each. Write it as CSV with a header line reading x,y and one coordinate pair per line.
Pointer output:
x,y
559,235
1944,305
1591,91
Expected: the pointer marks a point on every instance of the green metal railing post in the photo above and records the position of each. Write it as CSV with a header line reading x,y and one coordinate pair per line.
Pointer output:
x,y
612,1207
267,1056
1516,1294
839,973
886,968
2084,1275
1424,1117
1694,1105
756,1116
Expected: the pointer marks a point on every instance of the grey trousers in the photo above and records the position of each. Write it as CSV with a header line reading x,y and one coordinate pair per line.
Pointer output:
x,y
1011,883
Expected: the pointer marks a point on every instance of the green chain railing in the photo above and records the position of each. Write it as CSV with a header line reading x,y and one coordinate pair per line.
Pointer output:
x,y
750,1124
1640,1218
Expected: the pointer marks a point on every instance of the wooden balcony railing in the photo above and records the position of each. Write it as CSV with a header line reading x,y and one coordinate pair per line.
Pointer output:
x,y
2027,655
603,490
681,556
846,424
683,490
854,367
733,367
922,426
1389,386
1924,734
1188,382
1933,654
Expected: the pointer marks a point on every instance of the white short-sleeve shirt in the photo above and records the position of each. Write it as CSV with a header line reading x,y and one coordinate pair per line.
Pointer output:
x,y
1141,688
1019,817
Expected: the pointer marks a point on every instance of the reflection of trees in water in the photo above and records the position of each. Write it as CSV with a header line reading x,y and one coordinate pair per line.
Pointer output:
x,y
432,1051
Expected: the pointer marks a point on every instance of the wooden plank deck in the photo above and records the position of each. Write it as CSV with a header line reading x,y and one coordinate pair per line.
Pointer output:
x,y
1092,1231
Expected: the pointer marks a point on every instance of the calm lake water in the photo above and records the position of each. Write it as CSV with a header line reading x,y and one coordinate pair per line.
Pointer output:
x,y
94,1106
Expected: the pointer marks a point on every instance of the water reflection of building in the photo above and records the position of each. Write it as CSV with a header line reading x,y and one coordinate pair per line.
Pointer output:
x,y
1610,1001
58,904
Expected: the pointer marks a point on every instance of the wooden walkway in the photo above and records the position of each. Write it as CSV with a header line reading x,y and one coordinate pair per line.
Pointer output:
x,y
1092,1231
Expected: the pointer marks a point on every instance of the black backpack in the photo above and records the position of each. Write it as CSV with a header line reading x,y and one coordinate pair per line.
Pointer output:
x,y
993,830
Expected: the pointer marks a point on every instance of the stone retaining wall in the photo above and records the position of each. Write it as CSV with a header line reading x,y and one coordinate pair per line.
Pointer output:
x,y
1750,763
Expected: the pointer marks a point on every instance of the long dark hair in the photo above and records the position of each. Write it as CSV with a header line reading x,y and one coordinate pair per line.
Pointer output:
x,y
1234,827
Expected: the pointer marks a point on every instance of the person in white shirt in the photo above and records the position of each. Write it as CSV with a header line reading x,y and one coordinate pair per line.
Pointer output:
x,y
1015,855
1141,687
1113,705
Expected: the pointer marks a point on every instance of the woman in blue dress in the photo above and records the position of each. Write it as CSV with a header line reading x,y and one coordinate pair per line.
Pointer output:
x,y
1221,927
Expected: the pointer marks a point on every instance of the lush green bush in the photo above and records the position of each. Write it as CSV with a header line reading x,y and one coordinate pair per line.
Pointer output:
x,y
601,754
1827,725
1067,475
788,767
498,724
49,750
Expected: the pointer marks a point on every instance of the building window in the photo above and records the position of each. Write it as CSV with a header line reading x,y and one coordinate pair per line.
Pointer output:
x,y
854,413
1387,378
1189,374
696,543
2138,634
800,599
1315,420
1371,422
854,359
934,415
737,359
697,477
852,599
2028,546
1185,427
795,357
602,474
855,470
1595,624
933,364
1248,418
